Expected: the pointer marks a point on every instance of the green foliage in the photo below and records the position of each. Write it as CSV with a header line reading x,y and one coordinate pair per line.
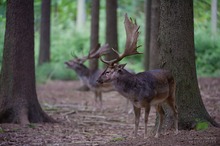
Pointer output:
x,y
51,71
207,54
117,139
1,130
31,125
65,39
201,125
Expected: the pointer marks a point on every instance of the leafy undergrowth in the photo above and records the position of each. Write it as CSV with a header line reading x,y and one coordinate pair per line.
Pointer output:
x,y
81,123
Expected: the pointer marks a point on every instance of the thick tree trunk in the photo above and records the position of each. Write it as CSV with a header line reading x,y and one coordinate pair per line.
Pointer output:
x,y
178,55
44,55
154,33
111,27
147,9
94,38
18,98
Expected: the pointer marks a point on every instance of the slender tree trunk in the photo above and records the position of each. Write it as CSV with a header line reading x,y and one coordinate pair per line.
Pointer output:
x,y
94,38
147,33
214,17
81,15
44,55
178,55
111,27
154,33
18,98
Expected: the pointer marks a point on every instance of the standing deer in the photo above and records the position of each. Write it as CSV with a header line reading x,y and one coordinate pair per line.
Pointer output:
x,y
88,77
143,89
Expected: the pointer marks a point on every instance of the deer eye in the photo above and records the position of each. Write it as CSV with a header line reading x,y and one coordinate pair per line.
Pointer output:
x,y
120,71
107,72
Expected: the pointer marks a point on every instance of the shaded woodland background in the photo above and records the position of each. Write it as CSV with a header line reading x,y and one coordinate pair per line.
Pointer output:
x,y
70,32
64,27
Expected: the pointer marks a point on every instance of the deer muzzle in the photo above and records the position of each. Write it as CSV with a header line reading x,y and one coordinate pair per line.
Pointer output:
x,y
99,81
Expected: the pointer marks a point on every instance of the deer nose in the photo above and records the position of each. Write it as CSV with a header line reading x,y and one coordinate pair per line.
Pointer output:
x,y
99,81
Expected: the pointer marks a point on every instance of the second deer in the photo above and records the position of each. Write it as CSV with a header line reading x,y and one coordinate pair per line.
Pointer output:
x,y
88,77
144,89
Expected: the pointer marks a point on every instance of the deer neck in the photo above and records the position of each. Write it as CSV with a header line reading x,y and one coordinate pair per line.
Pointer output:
x,y
83,72
125,83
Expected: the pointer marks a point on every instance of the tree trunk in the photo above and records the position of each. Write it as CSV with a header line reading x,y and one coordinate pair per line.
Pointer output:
x,y
44,55
111,27
214,17
81,15
94,38
18,98
154,33
147,33
178,55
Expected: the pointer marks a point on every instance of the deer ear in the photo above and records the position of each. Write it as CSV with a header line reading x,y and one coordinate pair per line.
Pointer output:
x,y
121,66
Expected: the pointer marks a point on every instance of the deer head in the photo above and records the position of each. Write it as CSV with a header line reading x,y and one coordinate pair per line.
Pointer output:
x,y
77,62
113,69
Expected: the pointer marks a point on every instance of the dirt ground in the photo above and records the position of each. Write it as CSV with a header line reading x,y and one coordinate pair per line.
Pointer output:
x,y
80,123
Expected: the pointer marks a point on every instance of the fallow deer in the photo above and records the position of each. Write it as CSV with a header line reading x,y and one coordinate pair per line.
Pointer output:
x,y
144,89
88,77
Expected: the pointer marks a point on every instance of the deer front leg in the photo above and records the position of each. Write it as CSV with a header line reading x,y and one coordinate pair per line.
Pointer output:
x,y
137,113
147,111
100,99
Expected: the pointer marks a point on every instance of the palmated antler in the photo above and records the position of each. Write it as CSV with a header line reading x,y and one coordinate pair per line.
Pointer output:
x,y
101,51
132,34
94,53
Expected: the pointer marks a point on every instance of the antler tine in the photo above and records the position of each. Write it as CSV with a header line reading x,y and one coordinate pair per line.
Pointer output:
x,y
132,33
93,51
101,51
73,55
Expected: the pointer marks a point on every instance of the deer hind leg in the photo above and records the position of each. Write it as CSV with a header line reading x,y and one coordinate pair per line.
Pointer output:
x,y
147,111
160,112
137,113
172,104
96,96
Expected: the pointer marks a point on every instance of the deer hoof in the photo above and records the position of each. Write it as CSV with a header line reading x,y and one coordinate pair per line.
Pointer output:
x,y
157,135
176,132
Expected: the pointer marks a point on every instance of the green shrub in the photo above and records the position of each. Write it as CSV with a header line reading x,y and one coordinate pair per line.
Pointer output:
x,y
54,71
207,54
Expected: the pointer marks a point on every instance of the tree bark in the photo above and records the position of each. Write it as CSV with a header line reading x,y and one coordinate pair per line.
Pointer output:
x,y
214,17
81,15
111,27
178,55
154,33
94,38
147,9
18,98
44,54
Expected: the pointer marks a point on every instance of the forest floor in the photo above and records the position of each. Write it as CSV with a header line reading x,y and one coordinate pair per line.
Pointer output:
x,y
81,124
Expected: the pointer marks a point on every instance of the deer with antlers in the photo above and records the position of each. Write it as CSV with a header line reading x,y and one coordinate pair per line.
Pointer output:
x,y
144,89
88,77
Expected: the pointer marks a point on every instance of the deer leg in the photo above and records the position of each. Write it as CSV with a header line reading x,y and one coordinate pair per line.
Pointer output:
x,y
137,113
100,98
147,111
96,96
172,104
160,112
